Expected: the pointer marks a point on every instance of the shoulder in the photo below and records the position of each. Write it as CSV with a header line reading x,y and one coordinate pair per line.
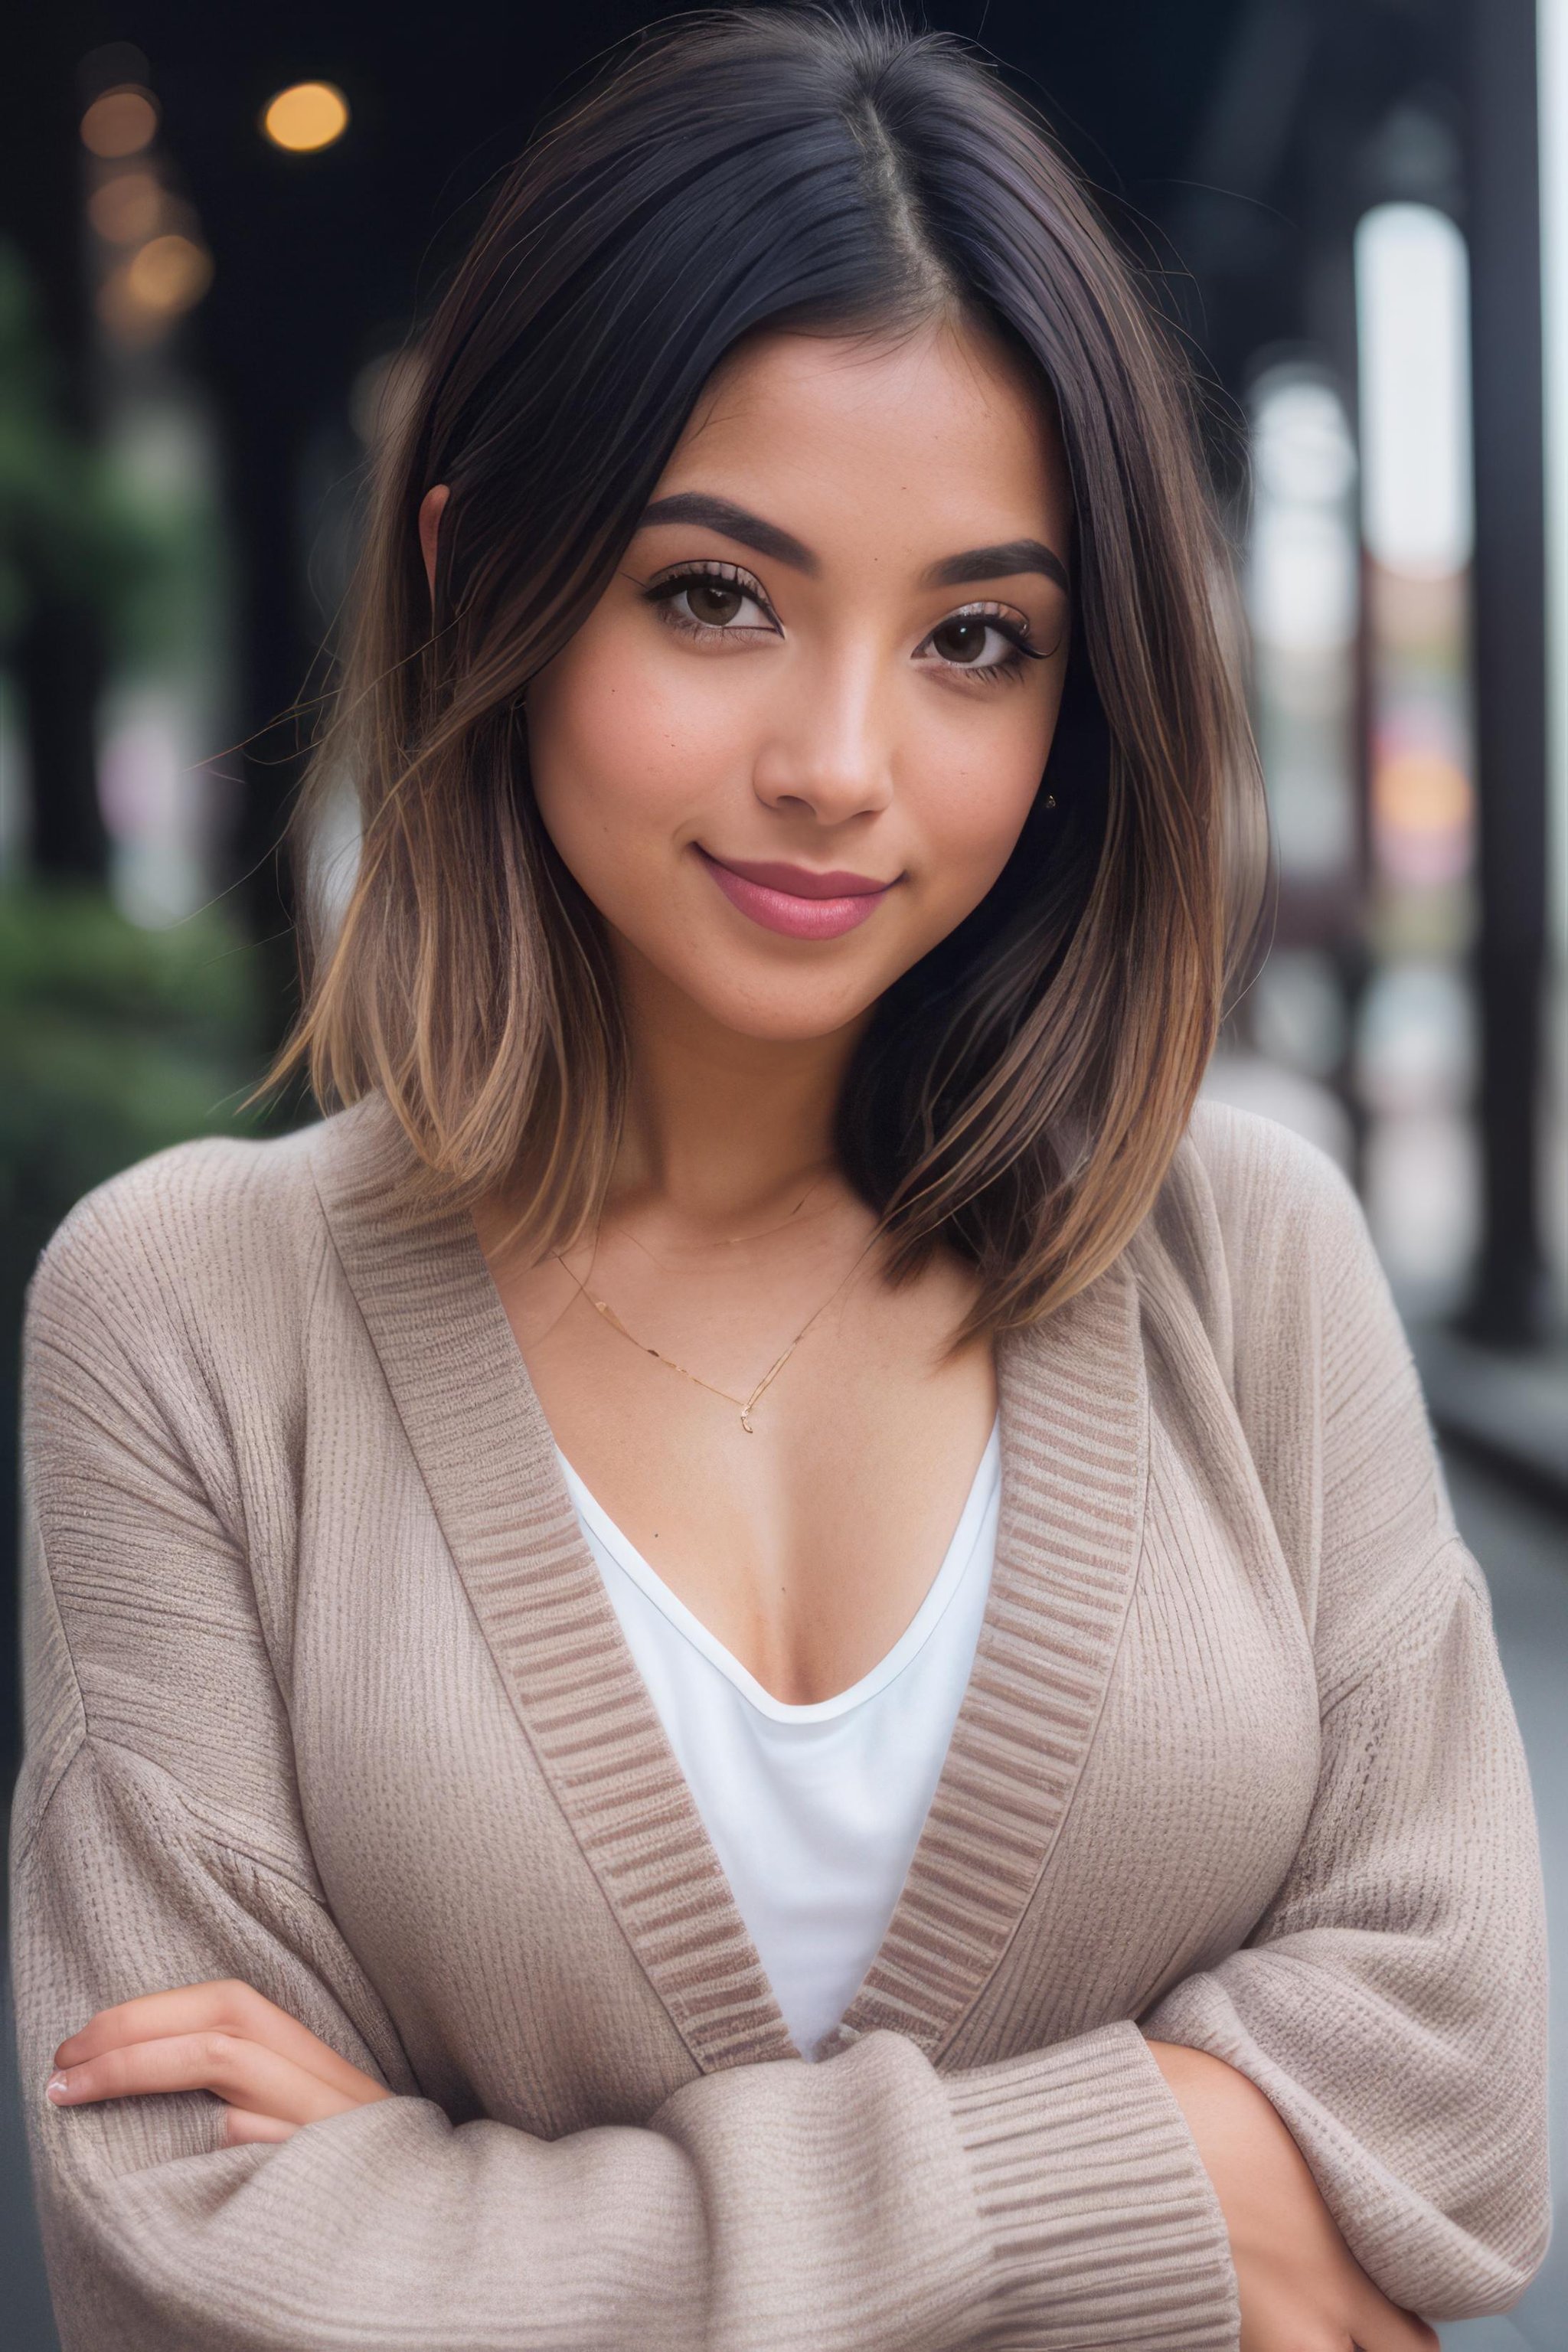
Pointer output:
x,y
1265,1180
1273,1243
164,1356
1257,1207
1266,1235
190,1273
188,1220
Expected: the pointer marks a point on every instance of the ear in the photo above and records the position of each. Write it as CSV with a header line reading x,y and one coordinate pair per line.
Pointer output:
x,y
431,507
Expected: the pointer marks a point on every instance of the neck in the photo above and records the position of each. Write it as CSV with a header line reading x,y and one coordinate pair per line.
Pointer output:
x,y
719,1125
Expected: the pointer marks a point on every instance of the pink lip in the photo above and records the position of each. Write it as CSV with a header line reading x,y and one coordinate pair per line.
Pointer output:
x,y
793,899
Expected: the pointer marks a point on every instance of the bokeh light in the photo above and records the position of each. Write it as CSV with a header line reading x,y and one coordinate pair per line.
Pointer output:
x,y
307,116
168,274
126,208
1302,584
1413,325
156,285
121,123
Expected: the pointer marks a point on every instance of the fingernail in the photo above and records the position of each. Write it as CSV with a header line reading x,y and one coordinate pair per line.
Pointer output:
x,y
57,2089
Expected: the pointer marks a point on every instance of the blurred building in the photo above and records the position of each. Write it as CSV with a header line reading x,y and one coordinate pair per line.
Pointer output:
x,y
1378,240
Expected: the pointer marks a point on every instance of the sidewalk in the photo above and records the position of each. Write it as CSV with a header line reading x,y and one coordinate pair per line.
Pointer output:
x,y
1522,1547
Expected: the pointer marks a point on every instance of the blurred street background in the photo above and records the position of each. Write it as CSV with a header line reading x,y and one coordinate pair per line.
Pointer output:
x,y
215,231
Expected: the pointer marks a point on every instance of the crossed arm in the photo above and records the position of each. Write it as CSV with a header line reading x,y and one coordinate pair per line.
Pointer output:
x,y
1300,2287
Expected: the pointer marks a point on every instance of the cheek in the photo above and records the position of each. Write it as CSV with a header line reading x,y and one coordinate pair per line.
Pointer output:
x,y
968,782
626,749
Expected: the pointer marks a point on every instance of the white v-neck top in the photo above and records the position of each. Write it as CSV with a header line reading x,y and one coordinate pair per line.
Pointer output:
x,y
814,1812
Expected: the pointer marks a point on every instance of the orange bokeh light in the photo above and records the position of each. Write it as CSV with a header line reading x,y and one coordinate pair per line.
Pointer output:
x,y
307,116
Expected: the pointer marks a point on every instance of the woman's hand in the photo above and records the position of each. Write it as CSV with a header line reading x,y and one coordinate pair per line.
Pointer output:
x,y
271,2072
1301,2289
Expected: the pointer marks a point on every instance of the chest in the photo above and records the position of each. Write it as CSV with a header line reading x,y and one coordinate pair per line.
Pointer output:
x,y
805,1542
505,1835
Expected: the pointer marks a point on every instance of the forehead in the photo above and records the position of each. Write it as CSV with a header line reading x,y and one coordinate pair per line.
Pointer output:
x,y
934,441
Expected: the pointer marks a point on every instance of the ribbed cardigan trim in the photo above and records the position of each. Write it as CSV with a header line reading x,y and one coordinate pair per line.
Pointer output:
x,y
1074,1436
1101,2219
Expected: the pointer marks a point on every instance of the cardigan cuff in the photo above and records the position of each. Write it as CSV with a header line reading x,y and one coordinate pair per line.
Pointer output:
x,y
1104,2225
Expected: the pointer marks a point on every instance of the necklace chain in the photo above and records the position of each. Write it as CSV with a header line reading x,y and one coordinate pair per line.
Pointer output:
x,y
746,1404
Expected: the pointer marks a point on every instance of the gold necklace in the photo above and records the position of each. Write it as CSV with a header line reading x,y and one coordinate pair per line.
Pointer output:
x,y
774,1369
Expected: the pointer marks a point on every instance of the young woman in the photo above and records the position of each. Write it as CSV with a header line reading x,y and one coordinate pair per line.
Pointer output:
x,y
770,1650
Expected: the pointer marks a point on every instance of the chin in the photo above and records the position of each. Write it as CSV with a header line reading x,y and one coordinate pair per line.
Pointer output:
x,y
778,1013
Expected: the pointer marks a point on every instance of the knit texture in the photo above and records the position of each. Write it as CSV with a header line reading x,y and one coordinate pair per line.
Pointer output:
x,y
323,1691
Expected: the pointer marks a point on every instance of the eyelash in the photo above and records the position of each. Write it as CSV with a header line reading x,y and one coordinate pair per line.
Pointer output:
x,y
663,591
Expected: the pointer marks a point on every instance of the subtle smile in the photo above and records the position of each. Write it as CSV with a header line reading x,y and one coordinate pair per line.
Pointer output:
x,y
793,899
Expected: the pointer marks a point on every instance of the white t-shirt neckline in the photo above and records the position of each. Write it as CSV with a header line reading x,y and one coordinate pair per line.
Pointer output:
x,y
813,1812
910,1642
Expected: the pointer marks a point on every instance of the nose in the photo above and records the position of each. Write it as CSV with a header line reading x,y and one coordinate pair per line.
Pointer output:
x,y
828,751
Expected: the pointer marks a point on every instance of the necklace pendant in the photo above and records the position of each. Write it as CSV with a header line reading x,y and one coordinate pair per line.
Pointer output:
x,y
746,1426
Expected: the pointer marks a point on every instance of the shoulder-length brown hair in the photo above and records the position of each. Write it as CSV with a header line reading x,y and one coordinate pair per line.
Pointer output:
x,y
1018,1092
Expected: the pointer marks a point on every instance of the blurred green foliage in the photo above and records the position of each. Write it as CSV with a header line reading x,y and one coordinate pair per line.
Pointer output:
x,y
115,1039
114,1042
74,522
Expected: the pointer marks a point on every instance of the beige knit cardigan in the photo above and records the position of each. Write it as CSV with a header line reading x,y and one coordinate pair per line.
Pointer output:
x,y
323,1691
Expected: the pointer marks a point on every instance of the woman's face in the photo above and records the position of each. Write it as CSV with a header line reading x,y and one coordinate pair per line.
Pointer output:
x,y
796,740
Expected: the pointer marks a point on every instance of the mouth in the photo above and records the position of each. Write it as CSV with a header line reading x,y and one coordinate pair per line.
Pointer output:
x,y
793,899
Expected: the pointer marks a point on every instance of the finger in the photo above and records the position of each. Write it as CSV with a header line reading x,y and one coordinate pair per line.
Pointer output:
x,y
221,2005
242,2127
244,2072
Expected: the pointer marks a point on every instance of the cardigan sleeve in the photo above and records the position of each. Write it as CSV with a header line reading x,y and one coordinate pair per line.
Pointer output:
x,y
865,2204
1391,2002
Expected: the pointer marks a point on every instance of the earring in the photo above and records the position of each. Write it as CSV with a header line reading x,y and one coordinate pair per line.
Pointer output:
x,y
1050,799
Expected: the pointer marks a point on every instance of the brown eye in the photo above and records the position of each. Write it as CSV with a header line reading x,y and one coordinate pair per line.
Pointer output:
x,y
988,644
713,601
962,639
710,604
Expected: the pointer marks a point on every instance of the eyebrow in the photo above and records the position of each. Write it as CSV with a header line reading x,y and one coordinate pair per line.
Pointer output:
x,y
732,521
1009,557
1003,561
